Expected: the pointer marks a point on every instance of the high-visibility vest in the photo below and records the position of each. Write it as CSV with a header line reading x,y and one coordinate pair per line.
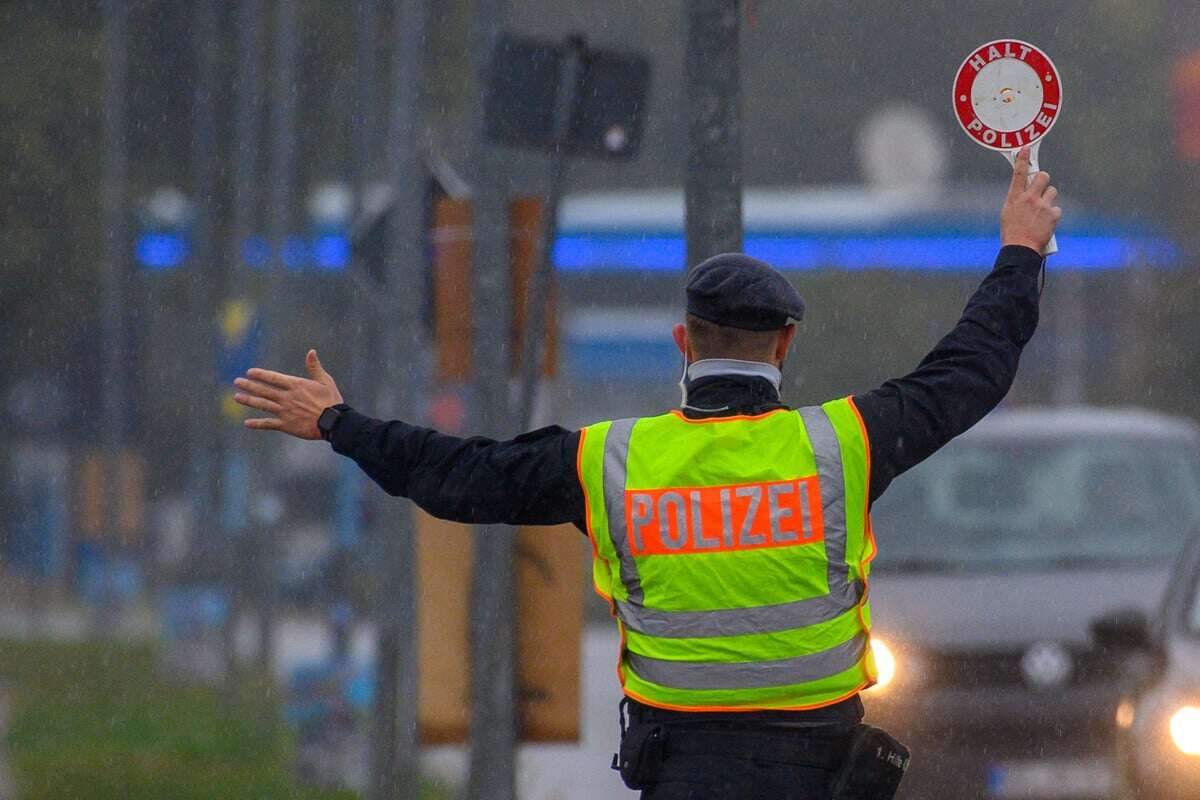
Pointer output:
x,y
735,553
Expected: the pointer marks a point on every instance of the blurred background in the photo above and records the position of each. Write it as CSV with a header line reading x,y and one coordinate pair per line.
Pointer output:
x,y
192,188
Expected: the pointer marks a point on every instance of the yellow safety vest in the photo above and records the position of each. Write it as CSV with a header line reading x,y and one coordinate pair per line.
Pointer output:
x,y
735,553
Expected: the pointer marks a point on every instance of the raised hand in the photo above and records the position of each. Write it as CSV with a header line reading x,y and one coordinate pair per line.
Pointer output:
x,y
294,403
1029,216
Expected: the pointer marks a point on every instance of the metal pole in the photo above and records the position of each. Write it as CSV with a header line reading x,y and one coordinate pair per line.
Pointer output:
x,y
1179,202
539,281
247,131
367,129
203,454
204,202
114,280
1071,323
200,279
285,91
396,744
351,494
713,184
493,627
247,126
1132,370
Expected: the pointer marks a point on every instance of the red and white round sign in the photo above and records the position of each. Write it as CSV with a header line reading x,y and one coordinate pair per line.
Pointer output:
x,y
1007,94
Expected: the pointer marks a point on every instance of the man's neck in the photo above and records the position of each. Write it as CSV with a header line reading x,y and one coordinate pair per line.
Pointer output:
x,y
727,385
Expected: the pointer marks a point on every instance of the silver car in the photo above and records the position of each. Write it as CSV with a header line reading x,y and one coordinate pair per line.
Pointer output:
x,y
995,556
1158,720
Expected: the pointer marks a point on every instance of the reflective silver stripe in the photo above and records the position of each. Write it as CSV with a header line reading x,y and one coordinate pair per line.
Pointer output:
x,y
806,520
745,536
641,512
616,458
738,621
702,542
778,513
727,517
749,674
828,454
667,501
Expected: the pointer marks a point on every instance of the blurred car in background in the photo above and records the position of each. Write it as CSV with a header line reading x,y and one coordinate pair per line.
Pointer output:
x,y
1158,720
995,556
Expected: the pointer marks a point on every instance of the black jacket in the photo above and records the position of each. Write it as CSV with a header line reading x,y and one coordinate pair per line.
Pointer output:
x,y
532,480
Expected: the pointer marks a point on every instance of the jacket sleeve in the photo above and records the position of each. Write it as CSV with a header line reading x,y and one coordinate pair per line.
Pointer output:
x,y
964,377
529,480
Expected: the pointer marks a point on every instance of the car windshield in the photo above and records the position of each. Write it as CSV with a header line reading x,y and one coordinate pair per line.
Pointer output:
x,y
984,503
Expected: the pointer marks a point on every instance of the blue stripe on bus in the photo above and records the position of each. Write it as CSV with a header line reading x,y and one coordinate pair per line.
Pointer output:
x,y
584,252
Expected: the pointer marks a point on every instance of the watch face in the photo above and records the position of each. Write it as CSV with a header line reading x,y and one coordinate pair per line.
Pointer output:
x,y
325,422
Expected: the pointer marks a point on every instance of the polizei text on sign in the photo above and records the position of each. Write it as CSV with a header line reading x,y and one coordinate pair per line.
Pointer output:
x,y
1007,94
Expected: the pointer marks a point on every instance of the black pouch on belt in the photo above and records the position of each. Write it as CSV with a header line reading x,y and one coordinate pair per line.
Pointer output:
x,y
875,764
641,755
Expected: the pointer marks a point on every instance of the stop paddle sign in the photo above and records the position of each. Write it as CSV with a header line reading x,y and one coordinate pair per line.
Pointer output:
x,y
1007,95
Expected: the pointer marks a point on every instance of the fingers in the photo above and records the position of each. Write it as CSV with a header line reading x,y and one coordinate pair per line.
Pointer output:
x,y
313,365
1020,178
1039,183
276,379
268,424
258,388
1040,188
260,403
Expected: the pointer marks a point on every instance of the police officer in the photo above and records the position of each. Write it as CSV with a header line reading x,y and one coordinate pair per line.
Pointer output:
x,y
732,535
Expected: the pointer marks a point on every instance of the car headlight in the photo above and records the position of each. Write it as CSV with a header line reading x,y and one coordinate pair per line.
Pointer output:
x,y
885,662
1125,713
1185,730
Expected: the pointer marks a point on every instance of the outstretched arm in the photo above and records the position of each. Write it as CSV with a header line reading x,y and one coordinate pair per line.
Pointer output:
x,y
529,480
971,369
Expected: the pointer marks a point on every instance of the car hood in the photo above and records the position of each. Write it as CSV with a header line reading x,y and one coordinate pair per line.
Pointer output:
x,y
988,611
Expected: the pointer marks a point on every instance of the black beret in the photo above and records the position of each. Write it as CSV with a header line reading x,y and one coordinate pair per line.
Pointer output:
x,y
742,292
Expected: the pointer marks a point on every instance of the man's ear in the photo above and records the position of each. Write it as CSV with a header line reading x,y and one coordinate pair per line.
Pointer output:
x,y
784,342
679,333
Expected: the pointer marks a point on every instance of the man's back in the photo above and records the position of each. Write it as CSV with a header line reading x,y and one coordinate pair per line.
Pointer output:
x,y
739,328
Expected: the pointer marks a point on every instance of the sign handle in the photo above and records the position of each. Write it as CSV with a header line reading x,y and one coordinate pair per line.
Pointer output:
x,y
1011,157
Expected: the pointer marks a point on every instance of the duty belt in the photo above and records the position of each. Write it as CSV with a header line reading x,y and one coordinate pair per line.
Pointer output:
x,y
797,747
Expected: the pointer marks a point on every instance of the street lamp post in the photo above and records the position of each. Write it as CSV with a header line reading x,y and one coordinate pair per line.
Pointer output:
x,y
394,767
114,285
713,181
493,731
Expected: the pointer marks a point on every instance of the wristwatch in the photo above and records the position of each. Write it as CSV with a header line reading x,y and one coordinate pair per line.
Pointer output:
x,y
329,420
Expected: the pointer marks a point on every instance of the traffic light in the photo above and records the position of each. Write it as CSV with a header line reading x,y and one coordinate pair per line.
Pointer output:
x,y
607,100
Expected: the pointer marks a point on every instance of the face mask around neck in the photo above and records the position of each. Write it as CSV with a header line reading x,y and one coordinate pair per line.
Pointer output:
x,y
710,367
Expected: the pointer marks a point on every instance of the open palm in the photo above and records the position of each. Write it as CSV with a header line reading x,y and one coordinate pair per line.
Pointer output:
x,y
294,403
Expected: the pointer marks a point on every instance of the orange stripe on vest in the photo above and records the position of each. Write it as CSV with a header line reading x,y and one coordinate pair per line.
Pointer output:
x,y
714,519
